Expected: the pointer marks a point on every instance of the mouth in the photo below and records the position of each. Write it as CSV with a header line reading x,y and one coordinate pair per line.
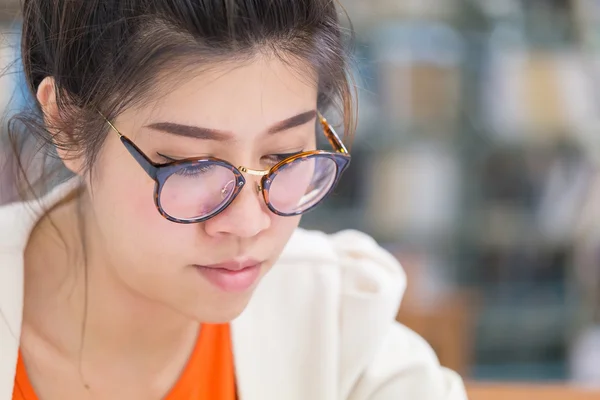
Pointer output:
x,y
232,276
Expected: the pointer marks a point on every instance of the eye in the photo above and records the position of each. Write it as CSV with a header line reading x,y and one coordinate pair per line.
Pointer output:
x,y
273,159
195,170
191,170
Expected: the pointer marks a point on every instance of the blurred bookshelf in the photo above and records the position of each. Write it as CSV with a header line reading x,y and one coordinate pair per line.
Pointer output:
x,y
9,10
474,154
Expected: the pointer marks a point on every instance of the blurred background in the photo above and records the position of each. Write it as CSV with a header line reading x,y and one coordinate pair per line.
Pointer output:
x,y
476,162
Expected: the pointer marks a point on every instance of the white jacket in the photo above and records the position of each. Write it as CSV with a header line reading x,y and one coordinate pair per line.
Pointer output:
x,y
321,325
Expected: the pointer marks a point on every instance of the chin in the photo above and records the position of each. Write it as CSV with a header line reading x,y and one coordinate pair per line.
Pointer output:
x,y
222,314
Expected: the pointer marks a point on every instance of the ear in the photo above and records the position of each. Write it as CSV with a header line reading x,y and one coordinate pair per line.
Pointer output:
x,y
46,96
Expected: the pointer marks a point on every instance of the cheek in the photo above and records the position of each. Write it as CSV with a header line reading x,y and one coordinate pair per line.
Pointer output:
x,y
145,249
132,195
123,203
281,230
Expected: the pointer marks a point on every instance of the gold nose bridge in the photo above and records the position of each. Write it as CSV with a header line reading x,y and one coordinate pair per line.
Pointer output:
x,y
255,172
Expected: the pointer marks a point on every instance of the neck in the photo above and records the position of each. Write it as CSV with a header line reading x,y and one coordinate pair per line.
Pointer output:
x,y
75,301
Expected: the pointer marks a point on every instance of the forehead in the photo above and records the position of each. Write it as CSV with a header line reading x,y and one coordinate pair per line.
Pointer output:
x,y
237,97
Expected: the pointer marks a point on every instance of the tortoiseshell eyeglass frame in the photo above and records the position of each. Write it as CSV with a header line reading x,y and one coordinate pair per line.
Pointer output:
x,y
161,172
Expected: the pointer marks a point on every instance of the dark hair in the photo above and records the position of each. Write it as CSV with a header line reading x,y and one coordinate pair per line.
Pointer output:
x,y
105,55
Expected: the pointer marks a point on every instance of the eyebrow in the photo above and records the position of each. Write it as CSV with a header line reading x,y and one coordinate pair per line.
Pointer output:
x,y
198,132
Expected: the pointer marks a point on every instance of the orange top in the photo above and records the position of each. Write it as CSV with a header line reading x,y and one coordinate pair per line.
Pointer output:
x,y
209,374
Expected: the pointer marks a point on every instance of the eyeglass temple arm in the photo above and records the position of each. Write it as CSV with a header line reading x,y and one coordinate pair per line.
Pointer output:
x,y
148,166
332,136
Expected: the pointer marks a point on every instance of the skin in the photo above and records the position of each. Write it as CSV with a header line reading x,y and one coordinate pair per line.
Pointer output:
x,y
145,300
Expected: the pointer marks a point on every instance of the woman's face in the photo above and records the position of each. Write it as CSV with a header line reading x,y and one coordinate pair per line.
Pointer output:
x,y
166,262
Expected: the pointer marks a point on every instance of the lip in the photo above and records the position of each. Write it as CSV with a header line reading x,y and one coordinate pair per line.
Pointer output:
x,y
232,276
233,265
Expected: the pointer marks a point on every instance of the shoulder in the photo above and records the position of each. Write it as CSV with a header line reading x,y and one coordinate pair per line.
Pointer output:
x,y
345,278
362,266
364,285
348,278
347,272
18,219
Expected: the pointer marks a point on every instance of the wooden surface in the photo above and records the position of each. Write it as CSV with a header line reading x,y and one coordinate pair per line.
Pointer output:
x,y
481,391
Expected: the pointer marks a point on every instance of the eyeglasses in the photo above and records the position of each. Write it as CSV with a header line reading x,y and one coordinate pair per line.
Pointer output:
x,y
196,189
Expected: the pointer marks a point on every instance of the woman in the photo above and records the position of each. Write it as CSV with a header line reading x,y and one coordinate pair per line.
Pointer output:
x,y
169,265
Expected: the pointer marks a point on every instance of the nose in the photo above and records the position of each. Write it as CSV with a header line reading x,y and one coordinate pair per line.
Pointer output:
x,y
245,217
